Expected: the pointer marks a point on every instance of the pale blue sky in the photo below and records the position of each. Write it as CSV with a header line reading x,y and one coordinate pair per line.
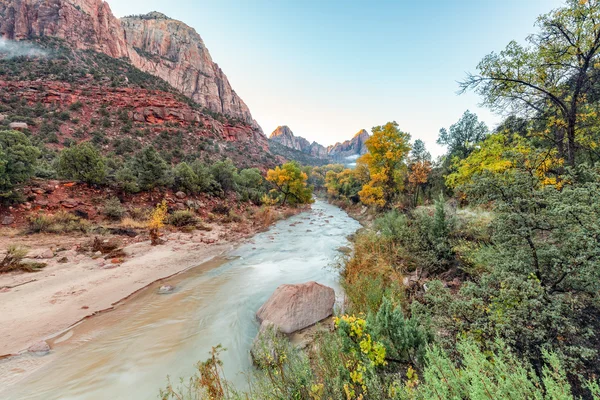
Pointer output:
x,y
330,68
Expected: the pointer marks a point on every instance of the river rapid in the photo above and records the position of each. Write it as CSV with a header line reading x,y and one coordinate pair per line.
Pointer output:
x,y
129,352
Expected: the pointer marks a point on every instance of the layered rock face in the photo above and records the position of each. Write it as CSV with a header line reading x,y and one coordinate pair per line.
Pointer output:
x,y
176,53
286,137
85,24
350,148
153,43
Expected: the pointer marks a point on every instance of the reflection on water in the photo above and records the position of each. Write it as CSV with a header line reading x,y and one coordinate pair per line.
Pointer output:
x,y
127,353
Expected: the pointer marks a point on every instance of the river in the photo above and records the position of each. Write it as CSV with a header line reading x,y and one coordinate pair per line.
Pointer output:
x,y
128,353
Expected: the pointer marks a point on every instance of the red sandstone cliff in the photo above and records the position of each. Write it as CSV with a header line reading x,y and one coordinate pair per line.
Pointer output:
x,y
176,53
85,24
153,43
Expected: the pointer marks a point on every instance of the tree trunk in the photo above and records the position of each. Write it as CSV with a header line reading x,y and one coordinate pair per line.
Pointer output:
x,y
571,141
559,138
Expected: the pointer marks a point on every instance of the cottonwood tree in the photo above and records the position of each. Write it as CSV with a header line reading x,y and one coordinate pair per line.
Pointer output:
x,y
552,76
463,136
419,170
386,161
291,184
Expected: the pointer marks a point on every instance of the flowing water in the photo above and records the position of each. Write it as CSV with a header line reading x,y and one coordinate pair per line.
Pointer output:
x,y
128,353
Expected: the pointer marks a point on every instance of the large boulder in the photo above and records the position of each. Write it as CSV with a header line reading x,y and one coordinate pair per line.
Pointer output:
x,y
295,307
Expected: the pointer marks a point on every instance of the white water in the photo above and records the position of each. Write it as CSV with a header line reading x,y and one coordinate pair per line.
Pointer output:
x,y
128,353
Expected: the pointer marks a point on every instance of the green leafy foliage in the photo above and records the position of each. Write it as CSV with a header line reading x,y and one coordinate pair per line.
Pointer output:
x,y
224,174
290,184
83,163
486,375
251,185
18,158
150,169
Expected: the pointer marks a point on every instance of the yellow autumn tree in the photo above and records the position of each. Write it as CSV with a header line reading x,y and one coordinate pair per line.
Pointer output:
x,y
157,221
290,184
344,184
388,148
418,177
502,152
419,169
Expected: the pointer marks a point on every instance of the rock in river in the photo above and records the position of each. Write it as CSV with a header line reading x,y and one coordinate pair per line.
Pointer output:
x,y
166,289
41,348
295,307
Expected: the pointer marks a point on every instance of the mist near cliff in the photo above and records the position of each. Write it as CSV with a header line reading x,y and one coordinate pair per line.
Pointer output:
x,y
11,49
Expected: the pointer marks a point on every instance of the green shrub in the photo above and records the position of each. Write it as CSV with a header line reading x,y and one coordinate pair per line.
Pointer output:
x,y
83,163
76,106
113,209
18,160
423,240
183,218
126,179
185,179
250,185
205,181
496,374
150,169
404,338
224,174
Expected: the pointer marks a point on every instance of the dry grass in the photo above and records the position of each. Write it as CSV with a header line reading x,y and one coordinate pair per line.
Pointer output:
x,y
368,272
265,217
140,214
61,222
13,261
130,223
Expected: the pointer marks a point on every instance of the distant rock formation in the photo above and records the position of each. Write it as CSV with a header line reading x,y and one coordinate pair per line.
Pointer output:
x,y
350,148
339,152
285,136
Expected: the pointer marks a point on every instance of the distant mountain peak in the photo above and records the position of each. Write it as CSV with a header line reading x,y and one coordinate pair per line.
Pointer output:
x,y
350,148
362,132
282,130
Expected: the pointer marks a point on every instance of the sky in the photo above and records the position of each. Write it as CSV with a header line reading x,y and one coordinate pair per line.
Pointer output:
x,y
329,68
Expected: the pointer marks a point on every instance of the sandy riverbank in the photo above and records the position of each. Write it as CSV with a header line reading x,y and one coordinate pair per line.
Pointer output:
x,y
35,306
